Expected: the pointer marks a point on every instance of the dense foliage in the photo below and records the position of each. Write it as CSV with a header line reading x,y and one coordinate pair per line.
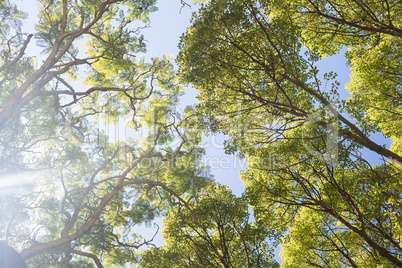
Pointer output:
x,y
313,171
214,230
92,145
75,179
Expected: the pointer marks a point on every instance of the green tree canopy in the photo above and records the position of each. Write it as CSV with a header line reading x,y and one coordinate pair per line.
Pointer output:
x,y
212,230
309,153
69,194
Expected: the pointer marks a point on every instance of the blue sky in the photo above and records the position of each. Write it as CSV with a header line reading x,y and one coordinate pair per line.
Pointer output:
x,y
163,35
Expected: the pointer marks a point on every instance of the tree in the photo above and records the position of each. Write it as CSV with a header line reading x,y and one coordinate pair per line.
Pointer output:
x,y
10,258
254,65
212,230
81,194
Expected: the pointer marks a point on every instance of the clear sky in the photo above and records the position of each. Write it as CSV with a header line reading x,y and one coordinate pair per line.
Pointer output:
x,y
163,35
